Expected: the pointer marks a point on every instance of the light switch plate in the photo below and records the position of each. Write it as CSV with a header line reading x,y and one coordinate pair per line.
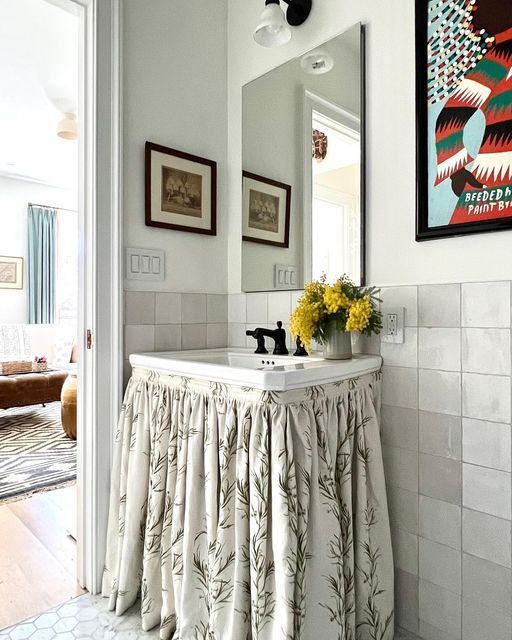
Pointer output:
x,y
144,264
393,325
285,276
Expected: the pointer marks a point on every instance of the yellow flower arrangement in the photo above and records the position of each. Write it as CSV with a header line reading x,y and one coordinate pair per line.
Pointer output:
x,y
340,306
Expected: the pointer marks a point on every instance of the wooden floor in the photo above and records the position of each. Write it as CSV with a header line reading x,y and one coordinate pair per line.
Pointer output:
x,y
37,555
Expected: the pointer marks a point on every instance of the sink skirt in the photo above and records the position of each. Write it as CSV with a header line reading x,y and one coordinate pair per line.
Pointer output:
x,y
241,514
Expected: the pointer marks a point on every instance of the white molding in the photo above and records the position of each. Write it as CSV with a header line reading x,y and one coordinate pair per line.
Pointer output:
x,y
100,274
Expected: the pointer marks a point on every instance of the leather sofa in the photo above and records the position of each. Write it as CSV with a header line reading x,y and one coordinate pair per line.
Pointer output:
x,y
26,341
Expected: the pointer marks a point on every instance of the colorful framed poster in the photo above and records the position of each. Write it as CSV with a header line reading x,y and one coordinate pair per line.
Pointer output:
x,y
181,190
11,272
265,210
464,117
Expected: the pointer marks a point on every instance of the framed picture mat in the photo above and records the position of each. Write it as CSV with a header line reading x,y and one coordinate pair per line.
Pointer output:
x,y
286,189
181,162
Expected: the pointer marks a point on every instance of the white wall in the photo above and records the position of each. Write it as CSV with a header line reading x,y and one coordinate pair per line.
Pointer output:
x,y
393,255
14,197
175,95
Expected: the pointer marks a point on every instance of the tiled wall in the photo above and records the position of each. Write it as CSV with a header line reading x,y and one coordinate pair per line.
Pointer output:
x,y
251,310
445,428
447,454
161,321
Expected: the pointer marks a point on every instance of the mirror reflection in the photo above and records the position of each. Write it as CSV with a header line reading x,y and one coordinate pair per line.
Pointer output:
x,y
303,201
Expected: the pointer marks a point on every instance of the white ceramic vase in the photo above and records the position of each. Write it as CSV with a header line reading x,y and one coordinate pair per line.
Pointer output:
x,y
338,345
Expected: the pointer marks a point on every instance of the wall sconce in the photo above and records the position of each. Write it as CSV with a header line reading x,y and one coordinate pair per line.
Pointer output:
x,y
273,29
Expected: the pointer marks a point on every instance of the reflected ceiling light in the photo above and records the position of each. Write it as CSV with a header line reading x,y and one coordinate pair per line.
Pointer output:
x,y
273,29
67,127
317,62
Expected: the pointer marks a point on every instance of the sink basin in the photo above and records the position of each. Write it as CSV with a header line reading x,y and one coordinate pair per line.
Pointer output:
x,y
245,368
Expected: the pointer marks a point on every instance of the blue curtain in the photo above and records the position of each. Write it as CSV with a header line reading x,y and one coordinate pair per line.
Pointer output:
x,y
42,264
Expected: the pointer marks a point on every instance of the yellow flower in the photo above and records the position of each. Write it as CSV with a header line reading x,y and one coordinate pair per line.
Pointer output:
x,y
359,314
335,299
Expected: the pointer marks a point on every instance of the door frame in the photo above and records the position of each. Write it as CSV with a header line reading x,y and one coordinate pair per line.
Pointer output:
x,y
100,308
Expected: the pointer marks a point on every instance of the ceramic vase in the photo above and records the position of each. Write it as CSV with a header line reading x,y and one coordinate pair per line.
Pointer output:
x,y
338,345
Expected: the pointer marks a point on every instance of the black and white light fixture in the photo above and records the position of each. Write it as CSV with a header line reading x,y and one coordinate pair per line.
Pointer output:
x,y
273,29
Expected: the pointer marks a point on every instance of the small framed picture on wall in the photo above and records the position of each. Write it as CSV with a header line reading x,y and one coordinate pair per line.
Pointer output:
x,y
11,272
464,117
181,190
265,210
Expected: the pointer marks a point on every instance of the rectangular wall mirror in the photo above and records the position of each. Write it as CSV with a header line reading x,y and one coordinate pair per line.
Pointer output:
x,y
303,203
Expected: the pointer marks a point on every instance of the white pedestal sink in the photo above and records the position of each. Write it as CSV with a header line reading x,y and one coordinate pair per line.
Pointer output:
x,y
245,368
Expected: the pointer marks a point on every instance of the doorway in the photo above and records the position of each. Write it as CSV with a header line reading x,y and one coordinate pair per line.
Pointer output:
x,y
99,321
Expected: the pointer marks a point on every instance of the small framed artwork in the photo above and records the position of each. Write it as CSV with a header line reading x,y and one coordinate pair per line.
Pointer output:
x,y
265,210
464,117
181,190
11,272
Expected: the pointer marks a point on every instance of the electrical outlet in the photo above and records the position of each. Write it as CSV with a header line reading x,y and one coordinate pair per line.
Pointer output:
x,y
393,325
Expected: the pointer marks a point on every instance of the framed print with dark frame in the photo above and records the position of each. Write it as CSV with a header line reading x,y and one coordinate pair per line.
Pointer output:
x,y
181,190
464,117
11,272
265,210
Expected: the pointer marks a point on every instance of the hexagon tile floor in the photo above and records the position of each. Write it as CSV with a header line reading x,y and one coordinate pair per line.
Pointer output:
x,y
83,618
87,618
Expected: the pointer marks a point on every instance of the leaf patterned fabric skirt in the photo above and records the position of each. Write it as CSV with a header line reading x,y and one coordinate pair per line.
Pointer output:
x,y
240,514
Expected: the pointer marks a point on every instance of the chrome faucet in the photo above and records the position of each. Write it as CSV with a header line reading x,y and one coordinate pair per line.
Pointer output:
x,y
278,335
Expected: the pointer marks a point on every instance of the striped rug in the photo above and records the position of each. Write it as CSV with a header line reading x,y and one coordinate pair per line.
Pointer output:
x,y
35,453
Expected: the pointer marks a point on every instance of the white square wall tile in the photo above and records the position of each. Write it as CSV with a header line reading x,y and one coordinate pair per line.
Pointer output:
x,y
439,348
401,467
487,490
440,565
486,304
440,608
486,537
217,308
399,427
439,305
403,509
193,336
139,307
168,308
486,397
406,297
237,311
402,355
486,351
257,309
486,582
139,338
279,307
193,308
405,550
440,435
216,335
168,337
480,622
428,632
440,521
295,297
440,478
487,443
236,335
439,391
400,387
